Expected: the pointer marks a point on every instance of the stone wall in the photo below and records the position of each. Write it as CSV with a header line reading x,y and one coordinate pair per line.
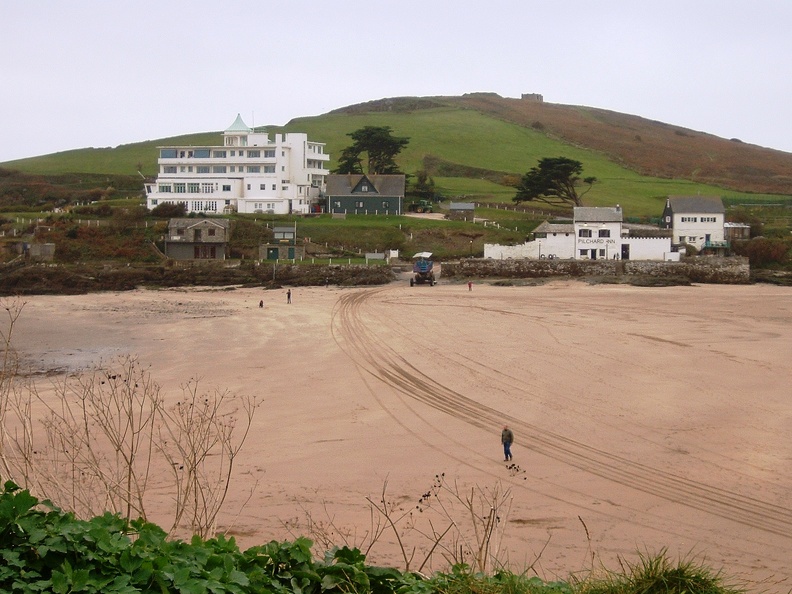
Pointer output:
x,y
732,270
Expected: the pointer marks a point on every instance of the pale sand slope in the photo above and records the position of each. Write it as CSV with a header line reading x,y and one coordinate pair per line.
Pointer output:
x,y
647,417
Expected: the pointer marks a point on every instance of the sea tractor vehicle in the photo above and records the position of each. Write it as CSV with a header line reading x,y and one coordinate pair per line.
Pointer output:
x,y
423,269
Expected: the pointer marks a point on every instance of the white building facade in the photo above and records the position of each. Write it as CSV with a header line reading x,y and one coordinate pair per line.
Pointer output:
x,y
595,234
248,173
696,220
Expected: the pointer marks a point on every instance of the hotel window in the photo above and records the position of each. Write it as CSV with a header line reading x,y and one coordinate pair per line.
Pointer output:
x,y
219,168
602,253
219,154
207,188
165,188
253,169
254,154
269,154
201,153
241,153
273,187
233,168
179,188
584,233
212,206
262,186
226,188
169,169
233,153
269,168
604,232
202,169
167,153
193,188
583,253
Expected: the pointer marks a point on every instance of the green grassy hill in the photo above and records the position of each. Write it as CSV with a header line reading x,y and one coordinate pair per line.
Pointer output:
x,y
471,144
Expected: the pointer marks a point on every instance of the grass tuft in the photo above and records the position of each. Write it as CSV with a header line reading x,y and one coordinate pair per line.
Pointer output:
x,y
657,574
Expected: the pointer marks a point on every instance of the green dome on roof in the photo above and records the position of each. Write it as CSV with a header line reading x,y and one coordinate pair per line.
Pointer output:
x,y
238,126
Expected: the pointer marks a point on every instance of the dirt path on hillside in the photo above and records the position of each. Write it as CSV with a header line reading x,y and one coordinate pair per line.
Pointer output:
x,y
645,418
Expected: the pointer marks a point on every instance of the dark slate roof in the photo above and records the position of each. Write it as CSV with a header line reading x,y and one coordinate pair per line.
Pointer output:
x,y
547,227
385,185
187,223
697,204
597,214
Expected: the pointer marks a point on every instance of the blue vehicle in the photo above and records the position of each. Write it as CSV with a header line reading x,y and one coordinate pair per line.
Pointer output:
x,y
423,269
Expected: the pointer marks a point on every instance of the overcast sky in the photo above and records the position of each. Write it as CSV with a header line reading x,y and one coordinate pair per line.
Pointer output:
x,y
96,73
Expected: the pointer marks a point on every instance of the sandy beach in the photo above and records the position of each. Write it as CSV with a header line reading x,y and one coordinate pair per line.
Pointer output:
x,y
645,418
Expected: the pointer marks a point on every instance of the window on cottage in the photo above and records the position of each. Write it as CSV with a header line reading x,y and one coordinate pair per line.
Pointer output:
x,y
337,203
364,188
385,204
584,233
211,232
604,233
359,204
180,231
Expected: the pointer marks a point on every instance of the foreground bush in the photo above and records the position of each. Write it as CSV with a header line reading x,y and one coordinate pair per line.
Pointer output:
x,y
46,550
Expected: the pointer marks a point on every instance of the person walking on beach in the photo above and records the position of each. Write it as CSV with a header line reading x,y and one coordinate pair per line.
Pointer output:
x,y
288,296
470,285
507,437
261,303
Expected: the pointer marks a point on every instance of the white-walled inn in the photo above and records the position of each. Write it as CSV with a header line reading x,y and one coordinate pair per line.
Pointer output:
x,y
595,233
249,173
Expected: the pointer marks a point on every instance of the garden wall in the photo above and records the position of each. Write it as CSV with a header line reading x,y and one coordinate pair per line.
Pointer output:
x,y
732,270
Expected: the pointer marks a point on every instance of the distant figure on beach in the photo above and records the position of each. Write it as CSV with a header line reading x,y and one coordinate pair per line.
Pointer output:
x,y
288,296
507,437
261,303
470,285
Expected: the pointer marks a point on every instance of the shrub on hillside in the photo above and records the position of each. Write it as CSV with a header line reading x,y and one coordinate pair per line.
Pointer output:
x,y
169,210
764,251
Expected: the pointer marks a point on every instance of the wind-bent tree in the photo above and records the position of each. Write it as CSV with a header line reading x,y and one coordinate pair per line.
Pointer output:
x,y
555,182
380,148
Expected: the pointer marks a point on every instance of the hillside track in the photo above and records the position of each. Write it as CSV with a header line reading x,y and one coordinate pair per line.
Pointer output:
x,y
363,329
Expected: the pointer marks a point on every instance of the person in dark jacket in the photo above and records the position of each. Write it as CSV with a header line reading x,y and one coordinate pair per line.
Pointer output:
x,y
507,438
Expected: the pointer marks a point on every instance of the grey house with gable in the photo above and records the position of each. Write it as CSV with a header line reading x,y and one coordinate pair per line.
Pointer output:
x,y
365,194
197,239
